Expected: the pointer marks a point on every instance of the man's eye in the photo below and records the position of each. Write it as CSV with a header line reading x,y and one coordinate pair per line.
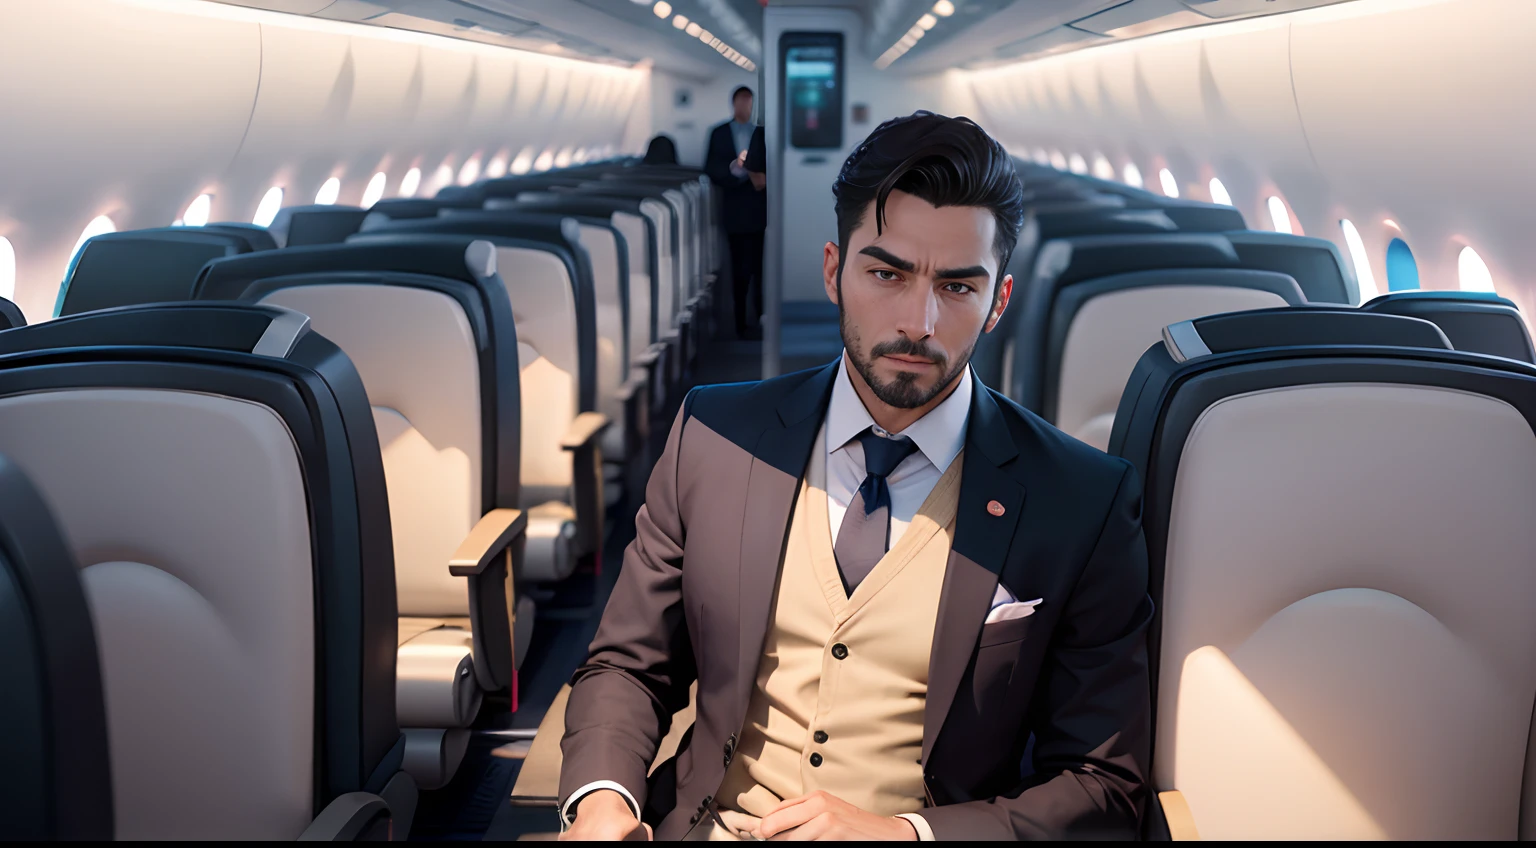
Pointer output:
x,y
959,288
883,274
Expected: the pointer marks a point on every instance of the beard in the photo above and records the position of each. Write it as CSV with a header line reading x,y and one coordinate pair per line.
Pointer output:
x,y
903,392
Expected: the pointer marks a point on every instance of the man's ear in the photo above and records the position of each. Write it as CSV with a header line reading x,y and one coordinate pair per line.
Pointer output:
x,y
829,268
1000,303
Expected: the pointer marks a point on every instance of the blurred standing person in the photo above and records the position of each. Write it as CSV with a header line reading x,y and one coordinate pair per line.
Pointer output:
x,y
744,210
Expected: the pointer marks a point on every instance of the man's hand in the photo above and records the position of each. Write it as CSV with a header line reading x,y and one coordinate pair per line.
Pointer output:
x,y
822,817
604,816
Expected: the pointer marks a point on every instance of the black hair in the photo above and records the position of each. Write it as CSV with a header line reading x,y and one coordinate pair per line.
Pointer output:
x,y
661,151
740,90
945,161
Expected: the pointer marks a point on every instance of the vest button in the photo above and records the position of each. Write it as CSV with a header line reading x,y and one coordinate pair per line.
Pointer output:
x,y
820,737
816,760
840,651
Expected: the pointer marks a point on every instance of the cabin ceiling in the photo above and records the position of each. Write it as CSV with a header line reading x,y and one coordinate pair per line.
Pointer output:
x,y
979,33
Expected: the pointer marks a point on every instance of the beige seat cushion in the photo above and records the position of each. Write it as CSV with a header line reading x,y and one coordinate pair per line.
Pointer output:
x,y
1111,332
551,537
1347,644
434,675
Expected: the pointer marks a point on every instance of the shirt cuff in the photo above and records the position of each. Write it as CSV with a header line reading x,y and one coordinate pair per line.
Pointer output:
x,y
919,824
566,812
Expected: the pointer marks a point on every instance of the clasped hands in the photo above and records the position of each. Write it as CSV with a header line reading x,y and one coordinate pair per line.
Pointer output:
x,y
817,817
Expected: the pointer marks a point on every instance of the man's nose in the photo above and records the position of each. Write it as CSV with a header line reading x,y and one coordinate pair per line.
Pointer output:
x,y
918,312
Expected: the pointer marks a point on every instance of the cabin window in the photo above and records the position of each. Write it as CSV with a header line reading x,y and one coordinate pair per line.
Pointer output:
x,y
1473,272
523,161
329,192
1402,271
266,210
1361,261
375,190
1102,169
1219,193
545,160
1058,161
497,168
1077,164
1170,185
1280,216
1133,175
198,211
7,269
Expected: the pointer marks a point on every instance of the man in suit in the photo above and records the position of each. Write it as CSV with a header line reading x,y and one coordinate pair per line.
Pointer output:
x,y
744,209
884,578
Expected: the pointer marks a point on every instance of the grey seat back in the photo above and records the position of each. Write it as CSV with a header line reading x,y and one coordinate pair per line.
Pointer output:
x,y
1099,328
1473,321
1303,504
296,226
140,266
57,776
215,476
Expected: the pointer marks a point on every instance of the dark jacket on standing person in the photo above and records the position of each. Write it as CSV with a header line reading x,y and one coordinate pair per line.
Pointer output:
x,y
744,209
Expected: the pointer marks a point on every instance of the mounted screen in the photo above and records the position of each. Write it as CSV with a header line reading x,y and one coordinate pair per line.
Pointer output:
x,y
813,88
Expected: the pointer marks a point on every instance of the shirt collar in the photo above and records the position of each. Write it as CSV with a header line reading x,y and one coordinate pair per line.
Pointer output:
x,y
939,435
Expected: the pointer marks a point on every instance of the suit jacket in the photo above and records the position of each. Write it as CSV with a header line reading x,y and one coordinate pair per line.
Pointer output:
x,y
694,595
744,209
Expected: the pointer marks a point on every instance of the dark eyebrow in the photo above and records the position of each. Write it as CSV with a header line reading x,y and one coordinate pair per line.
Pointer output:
x,y
884,256
963,273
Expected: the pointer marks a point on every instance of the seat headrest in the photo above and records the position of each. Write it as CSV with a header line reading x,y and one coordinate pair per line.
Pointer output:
x,y
1197,217
1304,326
398,208
1093,220
457,257
530,228
1316,263
10,315
1068,260
296,226
1476,322
140,266
55,745
256,238
260,330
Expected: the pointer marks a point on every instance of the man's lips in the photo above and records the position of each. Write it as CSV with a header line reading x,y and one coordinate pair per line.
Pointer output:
x,y
908,360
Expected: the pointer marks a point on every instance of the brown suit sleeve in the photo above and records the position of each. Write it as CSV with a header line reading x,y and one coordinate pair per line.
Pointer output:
x,y
1091,709
641,663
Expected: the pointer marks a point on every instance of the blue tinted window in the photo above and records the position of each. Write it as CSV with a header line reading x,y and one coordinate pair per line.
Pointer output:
x,y
1402,271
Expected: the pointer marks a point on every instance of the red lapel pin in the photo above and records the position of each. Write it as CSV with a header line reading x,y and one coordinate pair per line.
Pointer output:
x,y
995,508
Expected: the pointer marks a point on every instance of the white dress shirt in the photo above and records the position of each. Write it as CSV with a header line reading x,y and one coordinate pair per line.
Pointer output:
x,y
939,435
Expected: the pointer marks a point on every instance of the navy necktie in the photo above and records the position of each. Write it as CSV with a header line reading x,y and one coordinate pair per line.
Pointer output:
x,y
866,528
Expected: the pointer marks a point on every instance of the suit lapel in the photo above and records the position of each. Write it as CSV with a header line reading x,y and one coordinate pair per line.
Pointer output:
x,y
778,463
976,557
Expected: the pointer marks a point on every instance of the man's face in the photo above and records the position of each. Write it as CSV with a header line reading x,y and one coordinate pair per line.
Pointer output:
x,y
914,299
743,107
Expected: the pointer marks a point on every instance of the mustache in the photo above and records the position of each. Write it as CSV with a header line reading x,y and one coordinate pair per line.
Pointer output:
x,y
906,347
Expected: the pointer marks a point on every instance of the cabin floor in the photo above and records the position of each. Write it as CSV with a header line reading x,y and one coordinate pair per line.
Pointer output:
x,y
475,804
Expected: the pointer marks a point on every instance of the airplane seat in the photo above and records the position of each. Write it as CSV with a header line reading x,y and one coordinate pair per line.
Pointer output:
x,y
561,469
1317,264
256,237
57,776
1062,262
637,232
298,226
10,315
432,381
215,472
140,266
1339,553
1480,322
1100,327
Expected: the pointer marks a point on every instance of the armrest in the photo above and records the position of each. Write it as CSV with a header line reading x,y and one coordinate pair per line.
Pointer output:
x,y
349,818
538,779
490,557
586,427
581,439
1181,822
491,535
